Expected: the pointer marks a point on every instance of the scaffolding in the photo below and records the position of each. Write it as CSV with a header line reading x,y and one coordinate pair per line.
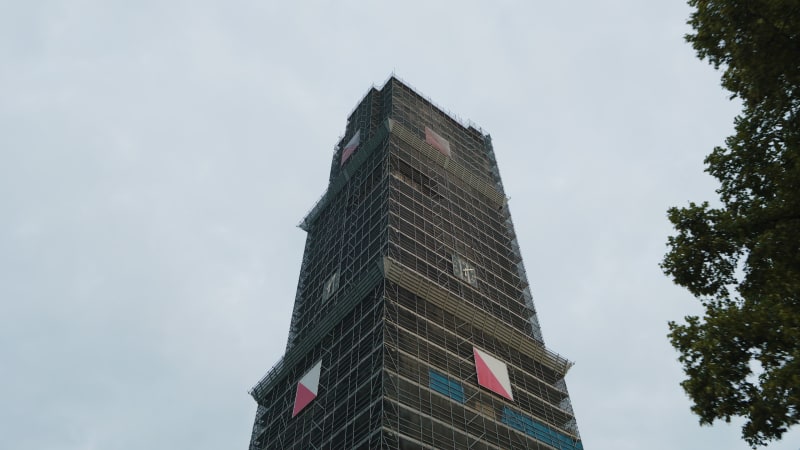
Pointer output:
x,y
411,263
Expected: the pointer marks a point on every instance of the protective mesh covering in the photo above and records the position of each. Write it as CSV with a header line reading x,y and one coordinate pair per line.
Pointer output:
x,y
411,263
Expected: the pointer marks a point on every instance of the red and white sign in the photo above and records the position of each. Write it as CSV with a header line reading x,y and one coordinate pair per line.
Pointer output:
x,y
307,388
492,373
351,146
437,142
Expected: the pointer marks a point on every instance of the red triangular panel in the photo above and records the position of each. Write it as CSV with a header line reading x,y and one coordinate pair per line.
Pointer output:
x,y
437,142
488,379
350,147
303,397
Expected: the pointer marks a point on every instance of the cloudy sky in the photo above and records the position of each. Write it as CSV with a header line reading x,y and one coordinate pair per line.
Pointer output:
x,y
156,156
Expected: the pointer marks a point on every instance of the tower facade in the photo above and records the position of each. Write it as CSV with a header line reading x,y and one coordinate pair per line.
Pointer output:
x,y
413,324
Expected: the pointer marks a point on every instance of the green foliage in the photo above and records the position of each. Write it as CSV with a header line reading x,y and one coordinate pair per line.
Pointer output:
x,y
742,259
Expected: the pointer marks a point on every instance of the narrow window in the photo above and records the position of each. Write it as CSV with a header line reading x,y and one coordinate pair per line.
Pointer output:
x,y
331,285
464,270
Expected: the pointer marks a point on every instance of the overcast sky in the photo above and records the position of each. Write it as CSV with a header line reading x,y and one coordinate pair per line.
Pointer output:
x,y
156,156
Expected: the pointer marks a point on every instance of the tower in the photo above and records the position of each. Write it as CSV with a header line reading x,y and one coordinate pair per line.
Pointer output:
x,y
413,324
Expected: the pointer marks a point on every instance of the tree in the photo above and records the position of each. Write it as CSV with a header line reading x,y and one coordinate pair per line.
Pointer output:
x,y
741,258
